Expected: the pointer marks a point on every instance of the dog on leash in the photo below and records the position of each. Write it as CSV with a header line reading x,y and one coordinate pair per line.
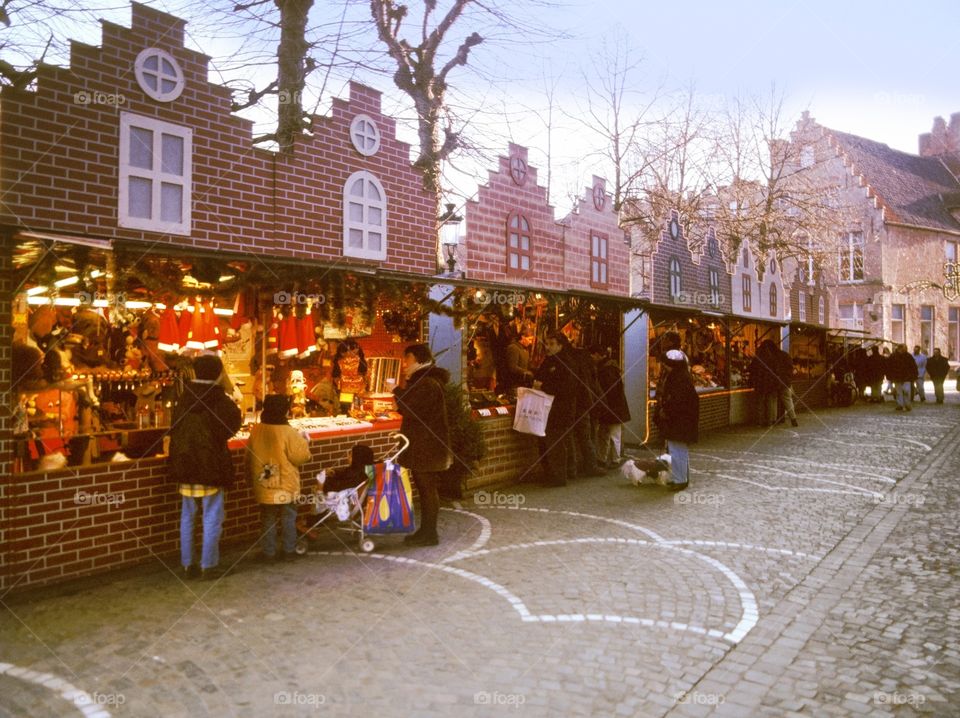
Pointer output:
x,y
646,471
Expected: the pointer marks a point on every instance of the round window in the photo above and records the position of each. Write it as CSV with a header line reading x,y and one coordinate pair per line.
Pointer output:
x,y
159,75
365,135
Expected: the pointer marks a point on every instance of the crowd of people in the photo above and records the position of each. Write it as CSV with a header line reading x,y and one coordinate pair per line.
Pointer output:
x,y
583,431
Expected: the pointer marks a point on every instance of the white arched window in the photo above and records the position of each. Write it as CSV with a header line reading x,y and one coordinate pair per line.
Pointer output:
x,y
364,217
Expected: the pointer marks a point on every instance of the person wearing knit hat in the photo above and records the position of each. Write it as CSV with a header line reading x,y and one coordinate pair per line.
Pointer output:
x,y
275,453
199,460
678,417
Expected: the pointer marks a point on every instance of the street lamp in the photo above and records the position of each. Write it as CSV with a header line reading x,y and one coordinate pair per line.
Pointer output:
x,y
450,235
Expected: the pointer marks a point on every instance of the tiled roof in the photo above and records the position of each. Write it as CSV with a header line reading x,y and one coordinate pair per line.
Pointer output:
x,y
913,189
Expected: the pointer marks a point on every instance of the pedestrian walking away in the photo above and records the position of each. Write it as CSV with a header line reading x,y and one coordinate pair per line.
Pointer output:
x,y
902,372
275,453
422,405
199,461
938,367
921,360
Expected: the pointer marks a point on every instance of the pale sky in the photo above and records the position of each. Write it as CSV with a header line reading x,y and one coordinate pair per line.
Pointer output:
x,y
878,69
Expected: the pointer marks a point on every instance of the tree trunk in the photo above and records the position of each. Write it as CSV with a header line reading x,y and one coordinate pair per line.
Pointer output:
x,y
291,69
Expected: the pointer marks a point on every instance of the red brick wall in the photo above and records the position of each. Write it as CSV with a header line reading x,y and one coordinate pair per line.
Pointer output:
x,y
485,256
511,456
579,226
52,536
60,160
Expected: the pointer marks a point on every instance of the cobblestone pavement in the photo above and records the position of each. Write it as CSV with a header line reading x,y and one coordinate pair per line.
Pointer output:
x,y
811,572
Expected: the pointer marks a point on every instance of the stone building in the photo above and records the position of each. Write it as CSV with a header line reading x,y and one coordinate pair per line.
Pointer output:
x,y
897,227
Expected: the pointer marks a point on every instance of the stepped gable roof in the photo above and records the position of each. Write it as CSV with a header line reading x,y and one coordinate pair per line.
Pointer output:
x,y
911,189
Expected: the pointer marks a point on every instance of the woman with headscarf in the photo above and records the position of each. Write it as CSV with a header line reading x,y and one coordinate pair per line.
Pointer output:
x,y
678,417
275,453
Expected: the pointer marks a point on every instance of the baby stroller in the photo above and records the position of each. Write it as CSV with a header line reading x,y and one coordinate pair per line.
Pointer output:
x,y
343,510
845,392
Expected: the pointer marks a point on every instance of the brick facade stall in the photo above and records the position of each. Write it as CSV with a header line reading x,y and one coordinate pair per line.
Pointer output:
x,y
82,153
67,524
510,456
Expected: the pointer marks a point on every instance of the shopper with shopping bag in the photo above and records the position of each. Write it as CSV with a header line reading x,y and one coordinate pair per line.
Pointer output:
x,y
557,377
421,403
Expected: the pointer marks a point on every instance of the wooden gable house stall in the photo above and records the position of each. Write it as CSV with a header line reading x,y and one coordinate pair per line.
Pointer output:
x,y
128,165
530,272
687,283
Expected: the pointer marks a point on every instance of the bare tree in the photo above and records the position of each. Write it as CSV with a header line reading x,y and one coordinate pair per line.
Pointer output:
x,y
419,76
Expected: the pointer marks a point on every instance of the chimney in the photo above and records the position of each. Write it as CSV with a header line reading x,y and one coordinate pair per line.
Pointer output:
x,y
943,139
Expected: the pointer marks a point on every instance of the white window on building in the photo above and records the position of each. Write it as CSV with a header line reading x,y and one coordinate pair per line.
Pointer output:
x,y
802,307
806,156
364,217
519,245
713,282
676,283
155,175
158,74
898,328
927,314
746,297
821,312
850,266
365,135
850,315
773,300
953,333
951,252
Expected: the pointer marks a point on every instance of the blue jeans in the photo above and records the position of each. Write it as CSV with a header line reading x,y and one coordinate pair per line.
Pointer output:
x,y
212,526
679,461
903,390
288,528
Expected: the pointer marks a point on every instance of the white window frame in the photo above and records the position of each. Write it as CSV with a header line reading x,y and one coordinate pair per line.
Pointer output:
x,y
139,70
364,252
802,306
898,325
675,274
821,311
359,133
928,328
156,176
713,284
950,251
746,292
847,260
773,300
953,332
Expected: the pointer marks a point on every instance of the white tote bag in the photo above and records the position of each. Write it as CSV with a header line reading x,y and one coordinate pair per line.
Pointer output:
x,y
533,408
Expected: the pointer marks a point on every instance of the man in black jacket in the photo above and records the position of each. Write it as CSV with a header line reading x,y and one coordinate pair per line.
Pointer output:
x,y
902,372
938,367
421,402
200,462
556,376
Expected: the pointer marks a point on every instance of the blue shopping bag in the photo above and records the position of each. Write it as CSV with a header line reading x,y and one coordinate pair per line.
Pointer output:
x,y
389,505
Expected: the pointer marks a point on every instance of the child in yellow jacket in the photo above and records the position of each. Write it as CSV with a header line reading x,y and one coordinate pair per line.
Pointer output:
x,y
275,452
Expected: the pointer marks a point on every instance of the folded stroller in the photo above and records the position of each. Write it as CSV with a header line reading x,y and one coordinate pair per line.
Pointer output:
x,y
343,509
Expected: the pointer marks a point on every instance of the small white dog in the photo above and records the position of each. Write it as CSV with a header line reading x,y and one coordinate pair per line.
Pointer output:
x,y
646,471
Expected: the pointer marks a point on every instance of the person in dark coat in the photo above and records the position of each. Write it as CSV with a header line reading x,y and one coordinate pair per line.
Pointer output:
x,y
765,382
557,377
611,411
587,393
784,372
938,367
422,405
902,372
678,417
876,367
204,419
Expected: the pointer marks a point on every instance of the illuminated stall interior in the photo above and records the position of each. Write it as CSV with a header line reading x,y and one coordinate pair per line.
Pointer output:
x,y
104,337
